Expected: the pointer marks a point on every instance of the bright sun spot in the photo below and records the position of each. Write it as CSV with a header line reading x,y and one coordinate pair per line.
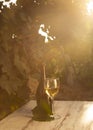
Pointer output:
x,y
8,3
45,33
14,36
88,114
90,7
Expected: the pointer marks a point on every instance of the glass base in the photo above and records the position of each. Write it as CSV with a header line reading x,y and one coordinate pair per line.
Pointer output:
x,y
40,118
55,116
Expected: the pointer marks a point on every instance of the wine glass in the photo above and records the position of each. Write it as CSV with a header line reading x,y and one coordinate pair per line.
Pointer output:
x,y
51,87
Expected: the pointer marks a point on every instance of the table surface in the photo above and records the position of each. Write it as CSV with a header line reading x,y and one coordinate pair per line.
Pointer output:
x,y
74,115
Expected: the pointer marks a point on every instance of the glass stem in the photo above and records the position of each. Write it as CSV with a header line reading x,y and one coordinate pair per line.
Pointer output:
x,y
53,110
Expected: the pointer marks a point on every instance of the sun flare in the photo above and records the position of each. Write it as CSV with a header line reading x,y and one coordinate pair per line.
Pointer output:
x,y
45,33
8,3
90,7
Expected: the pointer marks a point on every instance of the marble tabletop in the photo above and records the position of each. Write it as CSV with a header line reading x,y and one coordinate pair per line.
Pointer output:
x,y
74,115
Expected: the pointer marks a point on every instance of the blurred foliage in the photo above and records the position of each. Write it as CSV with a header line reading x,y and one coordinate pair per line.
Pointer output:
x,y
27,50
8,103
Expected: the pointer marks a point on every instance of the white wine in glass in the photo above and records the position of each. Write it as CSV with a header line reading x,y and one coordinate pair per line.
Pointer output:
x,y
51,87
